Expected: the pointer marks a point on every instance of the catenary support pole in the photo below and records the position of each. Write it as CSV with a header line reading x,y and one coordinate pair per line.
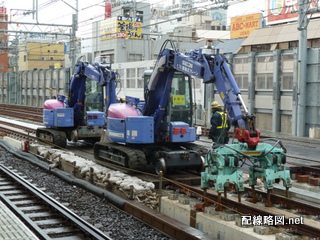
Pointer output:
x,y
302,69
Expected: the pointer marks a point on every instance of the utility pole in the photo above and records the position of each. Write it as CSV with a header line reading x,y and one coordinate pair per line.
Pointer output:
x,y
302,65
72,52
73,39
35,10
302,68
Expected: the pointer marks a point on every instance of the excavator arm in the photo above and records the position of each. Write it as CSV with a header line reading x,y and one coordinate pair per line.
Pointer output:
x,y
212,68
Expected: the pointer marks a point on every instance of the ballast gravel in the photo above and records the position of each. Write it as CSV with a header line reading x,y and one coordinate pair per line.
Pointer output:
x,y
97,211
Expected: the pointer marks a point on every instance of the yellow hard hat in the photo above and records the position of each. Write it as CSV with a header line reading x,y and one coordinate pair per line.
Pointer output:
x,y
215,104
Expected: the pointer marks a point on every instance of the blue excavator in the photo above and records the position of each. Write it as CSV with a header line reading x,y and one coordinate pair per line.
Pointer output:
x,y
81,114
159,133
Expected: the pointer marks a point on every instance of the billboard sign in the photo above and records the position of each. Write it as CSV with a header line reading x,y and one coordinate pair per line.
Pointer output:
x,y
121,27
282,11
243,26
108,28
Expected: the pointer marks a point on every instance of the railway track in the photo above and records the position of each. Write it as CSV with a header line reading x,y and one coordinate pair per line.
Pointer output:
x,y
46,217
34,114
310,228
302,207
189,183
22,112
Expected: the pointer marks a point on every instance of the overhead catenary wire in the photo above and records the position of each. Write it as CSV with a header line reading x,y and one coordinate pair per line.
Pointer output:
x,y
85,22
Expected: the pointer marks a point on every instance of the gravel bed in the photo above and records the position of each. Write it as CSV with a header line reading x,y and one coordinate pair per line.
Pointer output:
x,y
95,210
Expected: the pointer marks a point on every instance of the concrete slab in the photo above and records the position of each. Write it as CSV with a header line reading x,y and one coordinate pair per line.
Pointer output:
x,y
11,227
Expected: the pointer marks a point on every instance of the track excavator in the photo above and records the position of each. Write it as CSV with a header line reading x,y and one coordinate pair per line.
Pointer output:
x,y
79,115
160,134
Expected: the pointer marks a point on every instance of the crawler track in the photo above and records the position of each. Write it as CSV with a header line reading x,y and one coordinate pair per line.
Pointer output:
x,y
129,157
47,218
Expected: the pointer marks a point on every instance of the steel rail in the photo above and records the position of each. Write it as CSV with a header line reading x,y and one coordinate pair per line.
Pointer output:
x,y
25,133
289,203
304,229
248,209
85,227
28,113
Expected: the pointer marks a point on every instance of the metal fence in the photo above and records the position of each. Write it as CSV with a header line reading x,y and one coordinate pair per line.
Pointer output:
x,y
268,81
32,88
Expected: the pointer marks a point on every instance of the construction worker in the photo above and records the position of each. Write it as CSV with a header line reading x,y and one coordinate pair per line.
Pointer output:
x,y
219,124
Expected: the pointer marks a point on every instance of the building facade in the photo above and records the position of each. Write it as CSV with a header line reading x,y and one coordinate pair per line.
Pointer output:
x,y
133,31
38,55
3,40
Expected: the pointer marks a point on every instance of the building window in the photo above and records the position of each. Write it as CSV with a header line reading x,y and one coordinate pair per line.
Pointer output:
x,y
264,63
139,15
51,58
131,72
287,62
264,81
240,69
315,43
293,44
140,83
287,81
242,80
1,66
110,58
126,12
240,64
130,83
264,72
55,51
260,48
131,75
134,57
287,71
24,58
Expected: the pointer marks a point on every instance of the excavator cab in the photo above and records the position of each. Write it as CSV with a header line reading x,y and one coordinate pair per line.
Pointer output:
x,y
180,103
94,96
181,98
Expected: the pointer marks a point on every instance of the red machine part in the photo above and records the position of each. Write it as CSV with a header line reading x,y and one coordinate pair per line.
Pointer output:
x,y
244,136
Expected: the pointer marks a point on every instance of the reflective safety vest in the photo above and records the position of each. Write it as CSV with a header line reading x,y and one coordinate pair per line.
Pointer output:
x,y
224,117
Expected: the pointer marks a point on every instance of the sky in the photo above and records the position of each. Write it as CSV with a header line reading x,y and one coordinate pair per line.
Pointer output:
x,y
54,12
60,12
